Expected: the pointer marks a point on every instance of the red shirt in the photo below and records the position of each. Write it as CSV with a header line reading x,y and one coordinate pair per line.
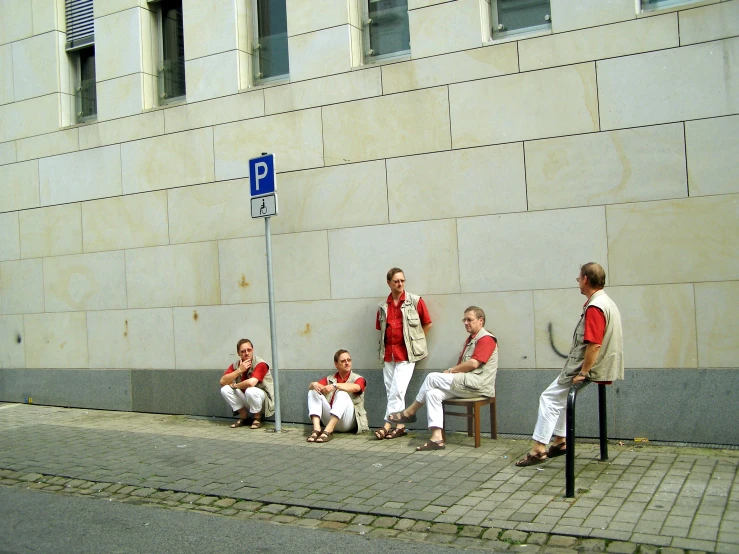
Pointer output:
x,y
483,349
595,325
395,349
361,382
258,372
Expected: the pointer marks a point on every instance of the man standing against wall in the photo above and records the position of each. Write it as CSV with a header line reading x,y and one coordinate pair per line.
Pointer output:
x,y
596,354
403,321
248,383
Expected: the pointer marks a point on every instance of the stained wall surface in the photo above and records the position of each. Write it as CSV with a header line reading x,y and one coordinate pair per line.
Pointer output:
x,y
489,170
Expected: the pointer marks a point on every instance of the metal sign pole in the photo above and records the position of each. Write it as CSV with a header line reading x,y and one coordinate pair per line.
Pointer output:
x,y
273,325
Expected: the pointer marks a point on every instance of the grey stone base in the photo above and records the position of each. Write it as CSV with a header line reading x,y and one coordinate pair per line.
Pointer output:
x,y
685,405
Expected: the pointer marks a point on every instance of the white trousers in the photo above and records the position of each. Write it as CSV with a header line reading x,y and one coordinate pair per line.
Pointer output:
x,y
436,388
397,375
552,418
253,398
343,408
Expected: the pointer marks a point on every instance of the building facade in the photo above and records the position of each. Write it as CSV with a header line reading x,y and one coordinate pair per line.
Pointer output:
x,y
487,147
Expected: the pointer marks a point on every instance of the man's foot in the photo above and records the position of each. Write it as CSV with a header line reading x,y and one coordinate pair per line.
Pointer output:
x,y
381,433
256,424
324,437
532,459
431,445
397,433
239,423
314,435
555,450
401,417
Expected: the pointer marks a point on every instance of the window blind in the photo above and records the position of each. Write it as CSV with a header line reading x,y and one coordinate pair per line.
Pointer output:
x,y
80,23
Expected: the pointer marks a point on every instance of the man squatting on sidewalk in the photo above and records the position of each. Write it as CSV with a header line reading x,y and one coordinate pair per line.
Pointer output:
x,y
596,354
403,321
338,401
247,383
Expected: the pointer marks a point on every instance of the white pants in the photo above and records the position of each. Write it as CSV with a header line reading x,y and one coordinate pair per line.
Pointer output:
x,y
552,419
343,408
436,388
252,398
397,375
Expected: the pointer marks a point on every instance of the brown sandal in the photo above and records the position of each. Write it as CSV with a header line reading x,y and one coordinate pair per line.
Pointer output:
x,y
314,435
557,450
532,459
239,423
397,433
382,433
324,437
256,424
431,445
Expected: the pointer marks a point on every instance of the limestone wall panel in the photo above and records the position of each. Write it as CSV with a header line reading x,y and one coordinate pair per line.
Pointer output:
x,y
346,87
509,316
122,96
212,212
22,287
48,15
299,260
180,275
85,282
19,186
169,161
35,71
10,244
313,15
539,104
131,339
29,117
12,352
351,195
674,241
213,112
567,15
551,239
16,22
398,125
52,231
50,144
478,63
6,74
701,80
709,23
108,7
712,146
360,257
212,76
443,28
77,176
605,168
56,340
294,138
717,306
209,28
418,186
556,314
643,35
118,44
130,221
320,53
7,153
206,336
122,130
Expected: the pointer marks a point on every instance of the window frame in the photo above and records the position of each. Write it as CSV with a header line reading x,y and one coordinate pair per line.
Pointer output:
x,y
498,34
257,80
77,72
162,98
643,7
368,56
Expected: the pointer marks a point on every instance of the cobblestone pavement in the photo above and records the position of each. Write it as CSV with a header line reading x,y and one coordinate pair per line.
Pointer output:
x,y
645,499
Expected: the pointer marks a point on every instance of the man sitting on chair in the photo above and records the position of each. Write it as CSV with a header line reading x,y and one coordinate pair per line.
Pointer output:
x,y
337,401
474,375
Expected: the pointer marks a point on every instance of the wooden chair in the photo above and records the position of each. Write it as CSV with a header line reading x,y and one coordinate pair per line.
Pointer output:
x,y
472,414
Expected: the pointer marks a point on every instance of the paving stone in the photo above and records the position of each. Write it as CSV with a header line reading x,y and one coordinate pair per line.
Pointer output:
x,y
420,526
562,541
500,546
404,524
225,503
491,534
209,509
228,512
515,536
592,545
33,477
187,499
472,531
37,486
295,511
440,538
383,533
620,547
262,516
414,535
339,516
315,514
282,518
309,523
385,522
272,508
143,492
332,525
649,549
363,519
10,482
693,544
247,506
443,528
125,490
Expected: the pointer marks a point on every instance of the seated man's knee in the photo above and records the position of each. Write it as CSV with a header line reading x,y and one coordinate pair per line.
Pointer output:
x,y
435,394
226,390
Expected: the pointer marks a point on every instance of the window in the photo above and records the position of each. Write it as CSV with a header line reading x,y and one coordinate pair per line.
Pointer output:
x,y
171,67
386,32
271,61
81,52
520,16
650,5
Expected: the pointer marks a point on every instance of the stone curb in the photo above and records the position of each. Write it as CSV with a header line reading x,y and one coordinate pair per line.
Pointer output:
x,y
463,536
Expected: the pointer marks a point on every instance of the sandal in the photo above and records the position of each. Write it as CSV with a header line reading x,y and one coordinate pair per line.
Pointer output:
x,y
400,418
314,435
431,445
382,433
557,450
239,423
397,433
324,437
532,459
256,424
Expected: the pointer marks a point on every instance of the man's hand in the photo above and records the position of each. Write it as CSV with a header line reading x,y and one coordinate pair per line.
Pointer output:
x,y
579,378
244,366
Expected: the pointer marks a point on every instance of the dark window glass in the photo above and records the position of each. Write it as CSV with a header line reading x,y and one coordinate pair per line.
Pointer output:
x,y
515,15
86,92
271,54
172,69
388,27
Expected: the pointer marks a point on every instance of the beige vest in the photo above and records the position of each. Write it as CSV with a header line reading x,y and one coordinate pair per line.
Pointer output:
x,y
413,335
482,379
360,414
267,384
609,366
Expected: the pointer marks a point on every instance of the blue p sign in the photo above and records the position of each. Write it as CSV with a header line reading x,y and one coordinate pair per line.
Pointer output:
x,y
262,175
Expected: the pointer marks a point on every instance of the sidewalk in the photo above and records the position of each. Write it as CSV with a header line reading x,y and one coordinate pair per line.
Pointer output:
x,y
655,496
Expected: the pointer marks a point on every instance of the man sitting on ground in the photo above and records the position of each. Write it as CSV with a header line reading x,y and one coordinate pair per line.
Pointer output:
x,y
248,384
337,401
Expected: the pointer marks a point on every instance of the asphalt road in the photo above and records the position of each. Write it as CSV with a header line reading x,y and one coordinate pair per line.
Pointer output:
x,y
33,521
